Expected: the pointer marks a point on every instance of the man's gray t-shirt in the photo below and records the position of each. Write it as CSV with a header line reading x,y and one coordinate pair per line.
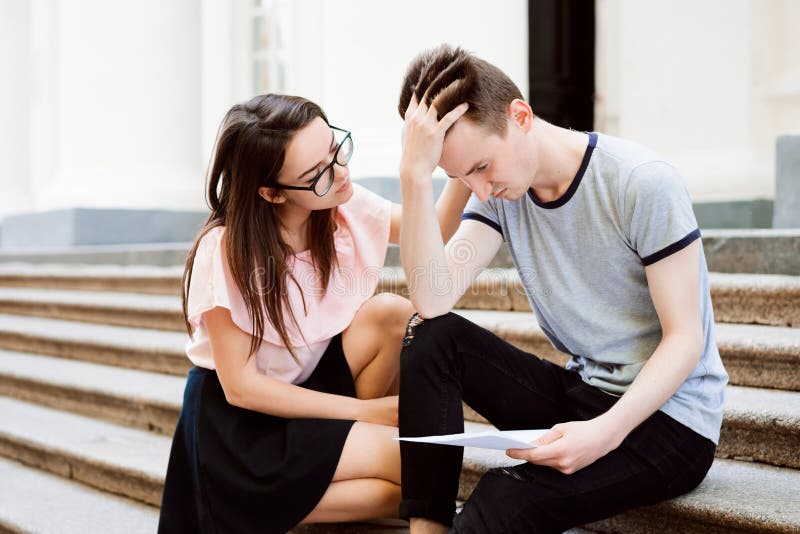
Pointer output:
x,y
582,258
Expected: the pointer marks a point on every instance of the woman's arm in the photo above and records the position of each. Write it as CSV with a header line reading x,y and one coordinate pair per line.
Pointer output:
x,y
245,387
449,207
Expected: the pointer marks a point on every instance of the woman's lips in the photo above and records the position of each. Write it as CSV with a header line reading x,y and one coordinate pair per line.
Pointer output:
x,y
344,187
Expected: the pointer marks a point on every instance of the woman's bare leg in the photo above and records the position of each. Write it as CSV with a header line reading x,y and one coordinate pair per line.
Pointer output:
x,y
360,499
372,344
366,484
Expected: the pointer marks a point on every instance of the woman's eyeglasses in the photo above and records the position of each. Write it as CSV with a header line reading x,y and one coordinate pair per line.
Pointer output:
x,y
323,181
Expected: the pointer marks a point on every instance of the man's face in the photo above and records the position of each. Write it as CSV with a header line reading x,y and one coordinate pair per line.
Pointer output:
x,y
490,165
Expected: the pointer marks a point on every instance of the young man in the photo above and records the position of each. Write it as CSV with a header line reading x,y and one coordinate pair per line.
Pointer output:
x,y
603,235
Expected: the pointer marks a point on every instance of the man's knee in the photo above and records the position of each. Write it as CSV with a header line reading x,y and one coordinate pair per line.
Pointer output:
x,y
428,340
421,331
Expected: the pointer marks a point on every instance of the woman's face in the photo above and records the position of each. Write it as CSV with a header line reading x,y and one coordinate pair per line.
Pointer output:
x,y
309,152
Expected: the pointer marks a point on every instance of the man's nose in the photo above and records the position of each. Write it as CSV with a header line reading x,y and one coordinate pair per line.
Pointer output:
x,y
481,188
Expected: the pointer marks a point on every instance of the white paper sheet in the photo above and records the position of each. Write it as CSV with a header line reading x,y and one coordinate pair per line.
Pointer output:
x,y
492,439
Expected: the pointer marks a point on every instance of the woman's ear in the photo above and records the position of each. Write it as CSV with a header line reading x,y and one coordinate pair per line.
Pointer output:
x,y
270,194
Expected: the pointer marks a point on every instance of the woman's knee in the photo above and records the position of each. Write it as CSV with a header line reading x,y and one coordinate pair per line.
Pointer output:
x,y
389,311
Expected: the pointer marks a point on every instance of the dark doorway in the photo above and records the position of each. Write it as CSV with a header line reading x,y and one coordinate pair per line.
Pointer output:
x,y
561,61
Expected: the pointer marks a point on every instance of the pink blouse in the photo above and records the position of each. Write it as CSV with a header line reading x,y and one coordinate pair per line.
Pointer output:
x,y
361,240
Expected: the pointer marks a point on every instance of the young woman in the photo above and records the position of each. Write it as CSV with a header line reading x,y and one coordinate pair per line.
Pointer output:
x,y
290,409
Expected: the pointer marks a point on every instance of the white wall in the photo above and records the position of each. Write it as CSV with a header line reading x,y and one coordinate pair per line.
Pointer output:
x,y
707,84
350,56
113,106
15,191
117,104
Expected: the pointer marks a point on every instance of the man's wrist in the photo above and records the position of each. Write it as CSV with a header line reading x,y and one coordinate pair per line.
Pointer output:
x,y
415,174
616,423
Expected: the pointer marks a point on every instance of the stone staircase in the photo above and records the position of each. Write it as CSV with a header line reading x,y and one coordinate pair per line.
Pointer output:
x,y
92,371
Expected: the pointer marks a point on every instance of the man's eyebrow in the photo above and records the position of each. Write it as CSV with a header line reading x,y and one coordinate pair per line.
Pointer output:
x,y
473,169
333,143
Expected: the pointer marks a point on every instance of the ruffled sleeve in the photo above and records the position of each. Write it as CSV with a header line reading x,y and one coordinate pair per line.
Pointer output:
x,y
367,217
211,284
361,239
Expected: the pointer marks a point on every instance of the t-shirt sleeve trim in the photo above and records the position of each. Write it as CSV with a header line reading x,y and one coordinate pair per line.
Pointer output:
x,y
672,249
478,217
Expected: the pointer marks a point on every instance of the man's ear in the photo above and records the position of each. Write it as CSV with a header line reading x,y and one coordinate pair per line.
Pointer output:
x,y
520,114
270,194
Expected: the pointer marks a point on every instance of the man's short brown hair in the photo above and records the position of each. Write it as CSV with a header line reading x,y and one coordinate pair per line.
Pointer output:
x,y
448,76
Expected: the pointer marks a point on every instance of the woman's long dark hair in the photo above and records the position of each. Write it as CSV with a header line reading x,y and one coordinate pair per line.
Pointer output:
x,y
248,154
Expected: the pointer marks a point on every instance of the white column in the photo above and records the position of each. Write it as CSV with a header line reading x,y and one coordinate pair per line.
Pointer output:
x,y
121,126
15,190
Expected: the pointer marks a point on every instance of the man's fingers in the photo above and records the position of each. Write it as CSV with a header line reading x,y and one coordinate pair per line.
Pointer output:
x,y
432,113
518,454
412,105
455,114
548,437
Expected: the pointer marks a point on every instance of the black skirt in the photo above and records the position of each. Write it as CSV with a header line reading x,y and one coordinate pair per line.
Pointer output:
x,y
237,470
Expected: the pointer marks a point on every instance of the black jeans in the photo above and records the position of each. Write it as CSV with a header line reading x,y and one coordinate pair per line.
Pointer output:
x,y
447,359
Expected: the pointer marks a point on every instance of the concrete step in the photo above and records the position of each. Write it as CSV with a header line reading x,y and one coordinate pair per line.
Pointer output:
x,y
758,356
71,507
105,456
158,312
759,424
737,298
121,278
735,496
768,251
129,462
767,299
135,348
138,399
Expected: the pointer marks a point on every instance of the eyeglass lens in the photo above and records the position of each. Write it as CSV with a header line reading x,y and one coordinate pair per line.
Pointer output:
x,y
343,154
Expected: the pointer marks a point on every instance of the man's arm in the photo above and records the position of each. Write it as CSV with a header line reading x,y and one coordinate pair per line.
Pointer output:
x,y
449,207
674,284
437,277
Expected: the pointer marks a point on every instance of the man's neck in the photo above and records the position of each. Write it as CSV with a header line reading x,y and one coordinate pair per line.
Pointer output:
x,y
560,155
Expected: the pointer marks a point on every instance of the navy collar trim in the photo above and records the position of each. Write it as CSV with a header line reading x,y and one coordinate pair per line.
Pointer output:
x,y
563,199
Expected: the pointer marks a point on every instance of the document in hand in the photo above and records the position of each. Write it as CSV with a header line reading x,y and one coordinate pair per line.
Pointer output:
x,y
492,439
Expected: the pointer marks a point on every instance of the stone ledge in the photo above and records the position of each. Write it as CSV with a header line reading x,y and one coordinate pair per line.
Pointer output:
x,y
766,251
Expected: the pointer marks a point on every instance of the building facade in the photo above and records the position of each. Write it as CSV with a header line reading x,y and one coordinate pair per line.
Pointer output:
x,y
115,105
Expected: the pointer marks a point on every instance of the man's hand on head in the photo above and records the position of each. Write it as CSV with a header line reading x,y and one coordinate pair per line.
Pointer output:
x,y
423,137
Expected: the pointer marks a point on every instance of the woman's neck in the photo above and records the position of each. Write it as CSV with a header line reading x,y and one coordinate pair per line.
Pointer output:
x,y
294,226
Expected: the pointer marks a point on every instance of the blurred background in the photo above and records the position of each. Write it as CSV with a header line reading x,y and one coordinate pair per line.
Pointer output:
x,y
110,109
